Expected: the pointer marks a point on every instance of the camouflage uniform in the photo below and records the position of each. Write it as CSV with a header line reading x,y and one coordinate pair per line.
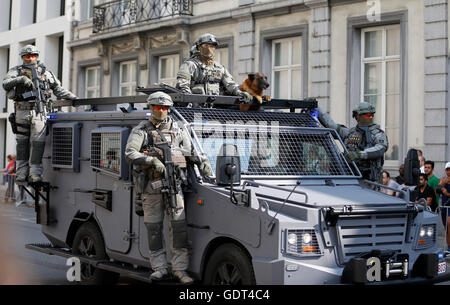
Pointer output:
x,y
142,138
366,144
31,126
194,76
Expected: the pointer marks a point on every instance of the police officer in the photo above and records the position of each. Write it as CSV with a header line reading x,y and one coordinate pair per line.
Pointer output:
x,y
140,151
27,121
200,74
366,143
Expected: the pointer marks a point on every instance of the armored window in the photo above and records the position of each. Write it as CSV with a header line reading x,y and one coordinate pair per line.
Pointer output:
x,y
107,151
168,68
66,146
380,81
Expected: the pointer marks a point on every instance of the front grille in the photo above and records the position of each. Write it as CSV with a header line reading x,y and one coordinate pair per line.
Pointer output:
x,y
360,234
62,147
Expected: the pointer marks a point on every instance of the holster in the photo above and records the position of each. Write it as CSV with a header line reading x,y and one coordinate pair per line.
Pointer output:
x,y
14,124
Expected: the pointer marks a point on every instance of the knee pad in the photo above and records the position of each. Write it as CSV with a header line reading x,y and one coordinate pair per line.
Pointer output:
x,y
23,149
37,153
179,228
154,232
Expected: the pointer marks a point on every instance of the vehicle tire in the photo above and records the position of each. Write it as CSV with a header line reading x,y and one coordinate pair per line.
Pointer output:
x,y
88,241
229,265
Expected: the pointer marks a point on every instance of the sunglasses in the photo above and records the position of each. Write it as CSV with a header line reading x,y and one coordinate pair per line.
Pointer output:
x,y
369,115
161,108
30,56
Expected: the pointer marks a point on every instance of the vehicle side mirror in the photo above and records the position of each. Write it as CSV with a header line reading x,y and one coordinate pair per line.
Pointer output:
x,y
412,168
228,165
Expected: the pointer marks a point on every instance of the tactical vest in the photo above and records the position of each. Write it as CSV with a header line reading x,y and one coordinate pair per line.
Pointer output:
x,y
208,80
170,135
359,139
43,82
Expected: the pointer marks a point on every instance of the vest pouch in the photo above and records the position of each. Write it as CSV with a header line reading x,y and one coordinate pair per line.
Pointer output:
x,y
213,88
179,159
198,89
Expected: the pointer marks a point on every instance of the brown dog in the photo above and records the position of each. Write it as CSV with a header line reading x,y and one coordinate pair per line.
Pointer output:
x,y
255,84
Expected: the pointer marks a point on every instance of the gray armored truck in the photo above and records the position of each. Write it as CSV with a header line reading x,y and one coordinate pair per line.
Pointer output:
x,y
284,205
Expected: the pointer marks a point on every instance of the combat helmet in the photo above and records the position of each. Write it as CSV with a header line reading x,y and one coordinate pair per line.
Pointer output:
x,y
193,51
29,49
159,98
363,108
207,38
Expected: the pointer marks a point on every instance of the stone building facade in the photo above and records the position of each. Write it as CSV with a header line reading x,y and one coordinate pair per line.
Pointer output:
x,y
392,53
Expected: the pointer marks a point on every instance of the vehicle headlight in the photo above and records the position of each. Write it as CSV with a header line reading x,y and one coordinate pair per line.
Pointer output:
x,y
306,238
292,239
422,232
426,237
302,242
430,231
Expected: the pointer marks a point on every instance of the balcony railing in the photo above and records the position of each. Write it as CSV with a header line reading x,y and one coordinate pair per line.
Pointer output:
x,y
121,13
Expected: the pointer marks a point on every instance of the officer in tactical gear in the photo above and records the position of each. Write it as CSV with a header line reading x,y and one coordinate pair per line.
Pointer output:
x,y
200,74
366,143
141,151
29,118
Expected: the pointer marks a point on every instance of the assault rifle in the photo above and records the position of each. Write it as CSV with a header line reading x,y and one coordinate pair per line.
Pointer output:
x,y
36,93
169,184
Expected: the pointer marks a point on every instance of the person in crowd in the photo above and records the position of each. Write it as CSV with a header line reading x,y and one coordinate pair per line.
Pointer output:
x,y
422,163
433,181
7,168
444,189
400,179
11,173
425,192
388,181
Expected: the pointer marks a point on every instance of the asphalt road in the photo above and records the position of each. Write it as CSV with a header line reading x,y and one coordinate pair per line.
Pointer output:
x,y
21,266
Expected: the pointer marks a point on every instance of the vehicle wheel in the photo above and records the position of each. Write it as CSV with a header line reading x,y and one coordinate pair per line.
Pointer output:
x,y
229,265
88,241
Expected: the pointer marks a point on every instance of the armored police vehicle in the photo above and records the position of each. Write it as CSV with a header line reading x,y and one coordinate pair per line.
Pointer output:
x,y
284,206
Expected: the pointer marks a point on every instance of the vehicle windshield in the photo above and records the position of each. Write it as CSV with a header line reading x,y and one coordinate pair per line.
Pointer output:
x,y
269,148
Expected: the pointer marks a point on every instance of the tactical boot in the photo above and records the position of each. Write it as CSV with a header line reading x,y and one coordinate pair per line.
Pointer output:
x,y
35,178
183,277
21,179
160,275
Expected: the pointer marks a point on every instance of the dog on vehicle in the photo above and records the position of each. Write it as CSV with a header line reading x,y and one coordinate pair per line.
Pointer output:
x,y
255,84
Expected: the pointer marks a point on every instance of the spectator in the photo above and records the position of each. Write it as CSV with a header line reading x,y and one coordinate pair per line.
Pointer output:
x,y
424,191
390,183
400,179
7,168
11,173
433,181
444,189
422,164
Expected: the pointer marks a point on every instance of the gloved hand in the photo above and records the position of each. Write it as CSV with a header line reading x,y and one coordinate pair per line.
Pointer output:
x,y
353,155
248,98
158,166
206,169
138,205
25,81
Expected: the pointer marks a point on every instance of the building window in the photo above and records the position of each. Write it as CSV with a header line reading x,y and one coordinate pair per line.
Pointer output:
x,y
168,69
221,56
127,78
380,80
287,68
92,85
62,9
90,7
